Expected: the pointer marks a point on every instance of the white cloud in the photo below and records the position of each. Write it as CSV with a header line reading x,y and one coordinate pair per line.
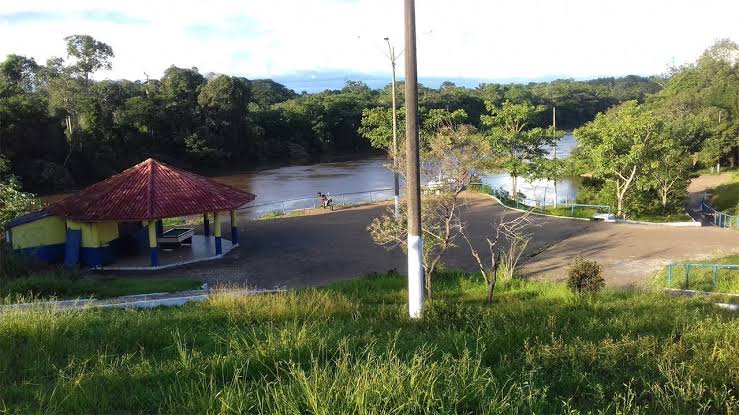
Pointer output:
x,y
476,39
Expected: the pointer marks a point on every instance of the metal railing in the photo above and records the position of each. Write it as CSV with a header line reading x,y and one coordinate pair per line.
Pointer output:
x,y
283,207
692,266
539,206
725,220
720,219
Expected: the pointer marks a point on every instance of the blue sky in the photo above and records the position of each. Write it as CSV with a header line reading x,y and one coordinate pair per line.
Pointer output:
x,y
316,44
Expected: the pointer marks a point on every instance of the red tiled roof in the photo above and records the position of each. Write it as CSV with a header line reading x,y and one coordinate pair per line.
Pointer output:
x,y
150,190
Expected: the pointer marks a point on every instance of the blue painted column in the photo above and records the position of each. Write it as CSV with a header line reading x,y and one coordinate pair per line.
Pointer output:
x,y
206,225
234,229
72,246
160,228
217,233
153,249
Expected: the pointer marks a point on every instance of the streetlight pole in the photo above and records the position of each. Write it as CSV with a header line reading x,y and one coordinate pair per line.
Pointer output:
x,y
391,50
413,176
554,127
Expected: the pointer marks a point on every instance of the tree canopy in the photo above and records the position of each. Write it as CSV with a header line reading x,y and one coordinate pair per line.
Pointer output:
x,y
60,128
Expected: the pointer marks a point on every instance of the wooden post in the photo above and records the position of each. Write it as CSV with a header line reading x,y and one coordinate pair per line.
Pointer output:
x,y
234,229
154,251
217,233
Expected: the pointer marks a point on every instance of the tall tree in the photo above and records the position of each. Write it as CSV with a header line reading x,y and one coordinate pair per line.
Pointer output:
x,y
90,55
618,145
702,98
224,101
517,146
669,171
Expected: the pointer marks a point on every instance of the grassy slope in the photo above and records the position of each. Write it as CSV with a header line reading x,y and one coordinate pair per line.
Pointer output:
x,y
349,348
59,286
727,280
726,197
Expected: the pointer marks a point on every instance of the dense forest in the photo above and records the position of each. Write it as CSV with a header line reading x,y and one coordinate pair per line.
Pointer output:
x,y
61,129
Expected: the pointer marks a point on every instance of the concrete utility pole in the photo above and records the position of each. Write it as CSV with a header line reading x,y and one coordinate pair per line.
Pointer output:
x,y
413,177
554,126
392,56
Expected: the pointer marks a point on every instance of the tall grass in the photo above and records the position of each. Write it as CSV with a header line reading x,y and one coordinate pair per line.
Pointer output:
x,y
350,348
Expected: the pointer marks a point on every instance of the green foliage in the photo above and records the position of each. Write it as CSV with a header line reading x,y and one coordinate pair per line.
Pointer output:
x,y
701,99
91,55
13,202
517,145
62,129
618,147
266,92
585,277
377,127
350,348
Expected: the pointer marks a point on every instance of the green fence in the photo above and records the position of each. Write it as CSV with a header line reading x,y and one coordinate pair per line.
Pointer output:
x,y
574,210
703,277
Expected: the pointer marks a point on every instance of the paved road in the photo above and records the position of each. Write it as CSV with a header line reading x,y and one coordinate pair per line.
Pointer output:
x,y
313,250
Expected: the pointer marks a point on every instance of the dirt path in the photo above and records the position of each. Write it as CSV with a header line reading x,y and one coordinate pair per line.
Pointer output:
x,y
314,250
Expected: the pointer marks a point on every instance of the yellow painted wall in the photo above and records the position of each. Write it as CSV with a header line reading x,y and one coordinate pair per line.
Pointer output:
x,y
95,234
45,231
107,231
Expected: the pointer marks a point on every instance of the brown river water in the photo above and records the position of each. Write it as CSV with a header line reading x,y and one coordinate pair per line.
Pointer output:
x,y
294,187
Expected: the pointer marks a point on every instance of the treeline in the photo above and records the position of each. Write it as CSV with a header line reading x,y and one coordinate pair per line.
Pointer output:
x,y
59,129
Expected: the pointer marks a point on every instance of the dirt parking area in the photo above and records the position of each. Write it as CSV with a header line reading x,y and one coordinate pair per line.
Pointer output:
x,y
317,249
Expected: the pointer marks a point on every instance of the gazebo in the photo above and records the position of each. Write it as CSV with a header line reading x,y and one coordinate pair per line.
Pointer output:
x,y
109,217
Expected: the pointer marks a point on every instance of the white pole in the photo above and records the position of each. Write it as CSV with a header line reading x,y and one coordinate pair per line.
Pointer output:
x,y
415,275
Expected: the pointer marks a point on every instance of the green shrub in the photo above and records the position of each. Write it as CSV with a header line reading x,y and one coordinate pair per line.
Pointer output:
x,y
13,201
585,277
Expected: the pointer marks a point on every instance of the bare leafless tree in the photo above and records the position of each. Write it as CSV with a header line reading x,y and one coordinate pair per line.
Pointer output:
x,y
505,246
452,155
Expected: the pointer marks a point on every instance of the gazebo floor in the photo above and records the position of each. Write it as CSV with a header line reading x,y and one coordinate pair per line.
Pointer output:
x,y
203,248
